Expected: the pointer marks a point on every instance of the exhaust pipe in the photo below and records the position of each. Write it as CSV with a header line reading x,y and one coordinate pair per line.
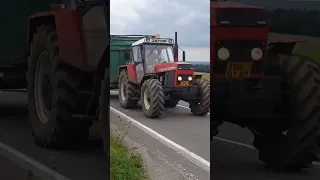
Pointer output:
x,y
175,47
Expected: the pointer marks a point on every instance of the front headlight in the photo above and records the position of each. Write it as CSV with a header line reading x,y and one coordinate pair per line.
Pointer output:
x,y
190,78
223,54
256,53
179,78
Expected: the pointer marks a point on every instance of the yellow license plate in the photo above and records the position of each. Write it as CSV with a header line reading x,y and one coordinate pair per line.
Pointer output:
x,y
184,83
238,70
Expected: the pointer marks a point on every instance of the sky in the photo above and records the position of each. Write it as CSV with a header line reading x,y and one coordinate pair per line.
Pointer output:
x,y
190,18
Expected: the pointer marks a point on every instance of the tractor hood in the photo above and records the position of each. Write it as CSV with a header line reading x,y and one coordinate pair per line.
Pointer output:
x,y
173,66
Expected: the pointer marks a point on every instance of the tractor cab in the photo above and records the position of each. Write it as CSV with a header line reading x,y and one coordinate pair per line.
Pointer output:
x,y
151,51
153,55
239,35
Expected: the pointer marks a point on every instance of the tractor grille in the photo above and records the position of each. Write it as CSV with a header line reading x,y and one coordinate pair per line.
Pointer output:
x,y
184,78
240,51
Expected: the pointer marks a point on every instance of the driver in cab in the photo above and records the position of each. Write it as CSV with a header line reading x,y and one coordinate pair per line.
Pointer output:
x,y
153,59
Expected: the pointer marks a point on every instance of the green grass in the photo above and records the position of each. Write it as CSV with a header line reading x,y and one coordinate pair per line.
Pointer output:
x,y
125,165
206,77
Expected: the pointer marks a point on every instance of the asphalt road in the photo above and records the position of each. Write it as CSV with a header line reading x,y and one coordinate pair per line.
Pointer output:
x,y
84,164
232,154
178,124
229,160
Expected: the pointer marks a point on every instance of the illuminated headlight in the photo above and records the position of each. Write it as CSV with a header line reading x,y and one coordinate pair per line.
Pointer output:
x,y
223,54
190,78
256,53
179,78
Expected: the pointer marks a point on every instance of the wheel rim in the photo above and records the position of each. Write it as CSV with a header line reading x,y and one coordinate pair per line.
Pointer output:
x,y
122,91
146,100
42,84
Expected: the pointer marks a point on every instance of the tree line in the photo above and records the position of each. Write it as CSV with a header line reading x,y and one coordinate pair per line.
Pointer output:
x,y
205,68
295,21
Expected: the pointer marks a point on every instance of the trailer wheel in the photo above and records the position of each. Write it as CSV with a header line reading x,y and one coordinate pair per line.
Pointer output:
x,y
152,98
202,107
52,95
171,103
127,91
299,146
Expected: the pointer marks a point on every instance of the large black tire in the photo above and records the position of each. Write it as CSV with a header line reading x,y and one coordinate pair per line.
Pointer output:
x,y
104,115
53,127
170,103
128,97
153,91
298,147
201,108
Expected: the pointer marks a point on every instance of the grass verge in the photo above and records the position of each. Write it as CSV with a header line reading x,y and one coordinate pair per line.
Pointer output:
x,y
206,77
125,165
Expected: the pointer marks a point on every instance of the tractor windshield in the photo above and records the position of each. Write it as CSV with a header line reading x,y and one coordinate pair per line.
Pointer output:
x,y
158,54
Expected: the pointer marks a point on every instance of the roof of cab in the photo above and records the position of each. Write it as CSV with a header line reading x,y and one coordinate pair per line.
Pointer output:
x,y
220,5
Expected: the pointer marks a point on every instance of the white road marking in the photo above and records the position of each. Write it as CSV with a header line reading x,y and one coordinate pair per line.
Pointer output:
x,y
24,161
235,142
227,140
244,145
204,164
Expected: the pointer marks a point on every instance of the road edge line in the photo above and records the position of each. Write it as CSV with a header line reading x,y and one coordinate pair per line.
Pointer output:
x,y
26,162
246,146
204,164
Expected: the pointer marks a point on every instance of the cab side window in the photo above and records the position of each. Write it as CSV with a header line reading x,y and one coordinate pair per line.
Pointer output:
x,y
136,51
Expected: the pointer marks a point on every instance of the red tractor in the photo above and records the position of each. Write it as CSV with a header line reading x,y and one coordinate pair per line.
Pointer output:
x,y
61,55
155,78
259,84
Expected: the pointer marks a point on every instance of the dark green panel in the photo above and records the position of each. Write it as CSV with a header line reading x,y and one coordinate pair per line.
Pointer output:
x,y
118,45
13,32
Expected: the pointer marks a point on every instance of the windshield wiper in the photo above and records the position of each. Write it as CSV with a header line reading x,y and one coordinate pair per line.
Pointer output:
x,y
152,50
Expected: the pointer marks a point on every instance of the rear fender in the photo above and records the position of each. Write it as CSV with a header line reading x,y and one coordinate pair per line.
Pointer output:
x,y
282,47
146,77
36,20
70,39
132,75
66,22
197,76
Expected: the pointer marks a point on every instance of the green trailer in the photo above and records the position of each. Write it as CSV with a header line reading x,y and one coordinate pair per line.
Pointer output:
x,y
118,46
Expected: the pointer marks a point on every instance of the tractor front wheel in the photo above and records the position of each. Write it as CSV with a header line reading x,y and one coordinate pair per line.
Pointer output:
x,y
299,145
152,98
202,107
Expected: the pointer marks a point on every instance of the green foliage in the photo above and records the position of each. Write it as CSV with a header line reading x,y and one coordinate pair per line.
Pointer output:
x,y
202,68
295,21
125,165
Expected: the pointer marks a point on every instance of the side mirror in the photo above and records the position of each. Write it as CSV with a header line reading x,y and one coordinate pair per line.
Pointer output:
x,y
127,54
183,56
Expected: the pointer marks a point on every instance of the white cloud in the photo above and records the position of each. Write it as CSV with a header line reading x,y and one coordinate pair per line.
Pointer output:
x,y
190,18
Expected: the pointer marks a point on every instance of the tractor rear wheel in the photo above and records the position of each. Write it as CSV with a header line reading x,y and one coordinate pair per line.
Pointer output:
x,y
299,146
53,95
170,103
127,91
152,98
202,107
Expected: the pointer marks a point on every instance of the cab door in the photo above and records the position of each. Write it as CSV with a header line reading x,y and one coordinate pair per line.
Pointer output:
x,y
137,58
